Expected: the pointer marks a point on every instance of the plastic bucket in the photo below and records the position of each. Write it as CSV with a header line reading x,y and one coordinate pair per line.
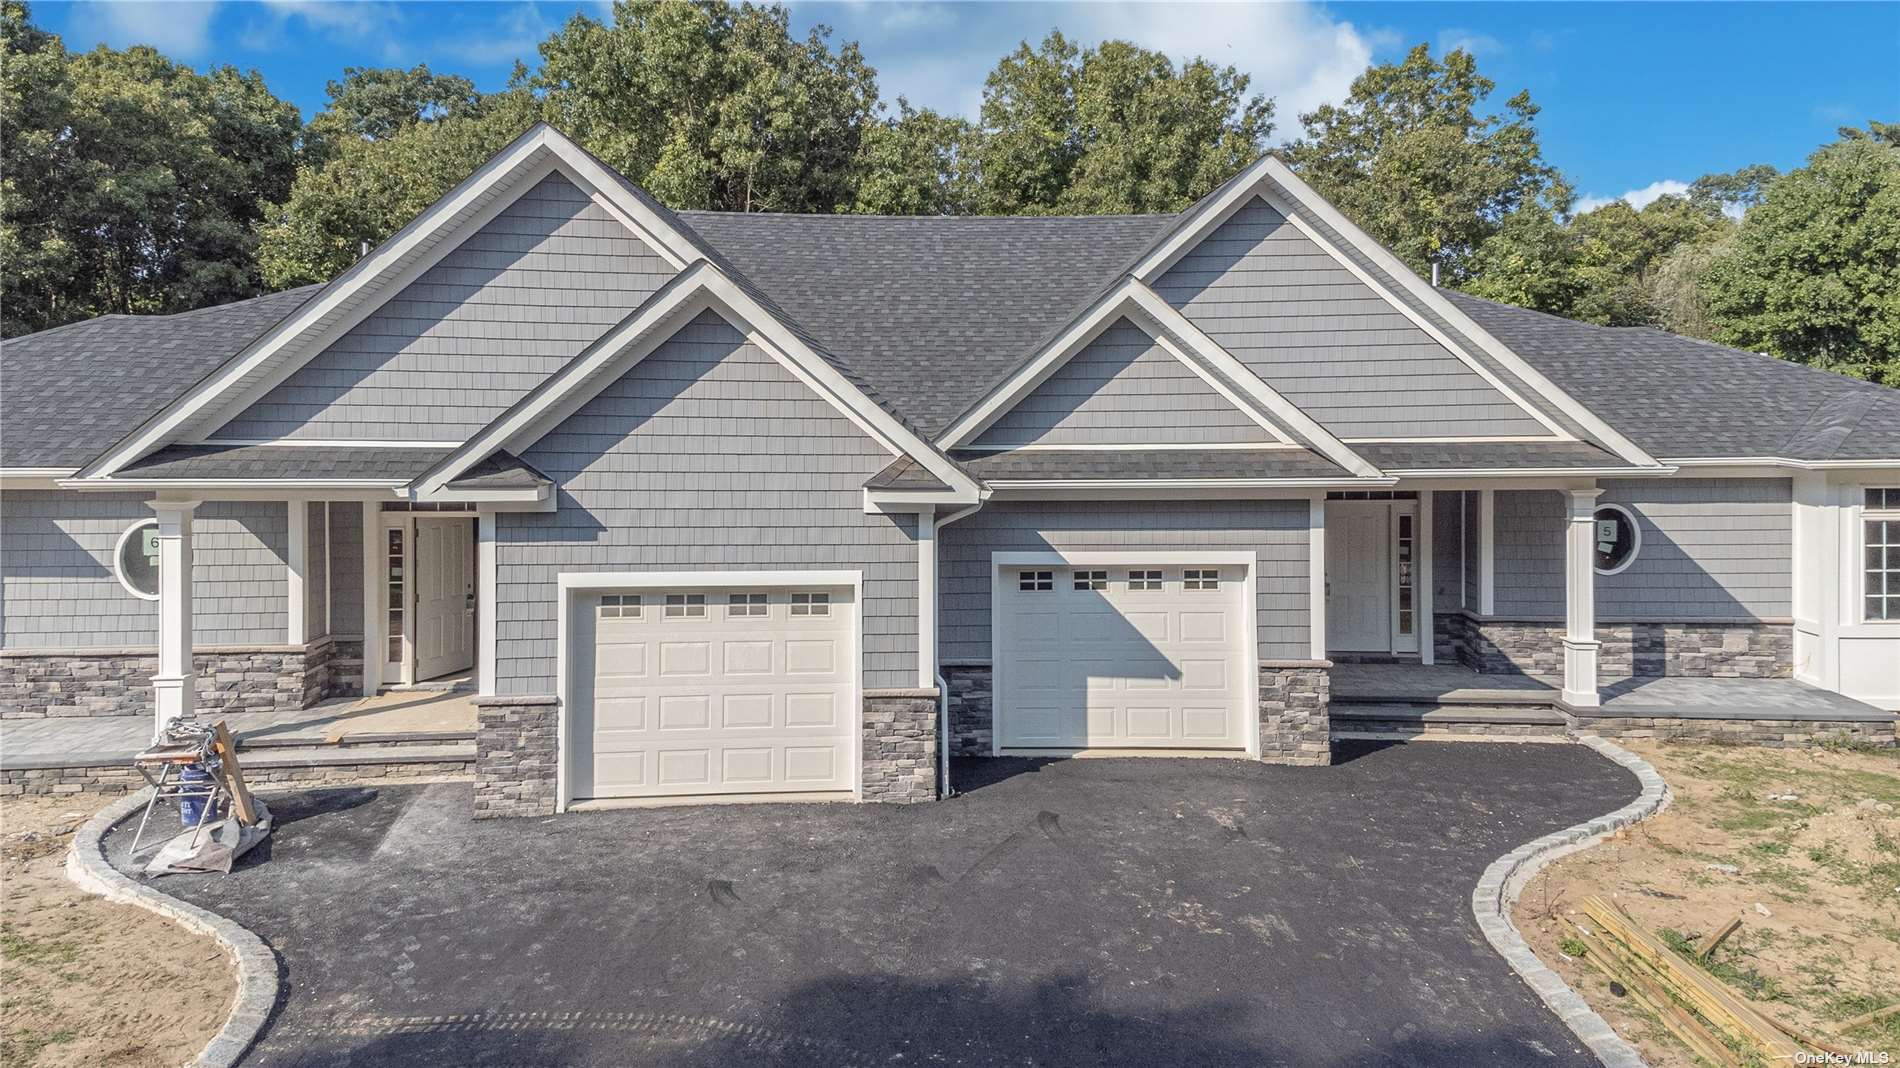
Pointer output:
x,y
191,809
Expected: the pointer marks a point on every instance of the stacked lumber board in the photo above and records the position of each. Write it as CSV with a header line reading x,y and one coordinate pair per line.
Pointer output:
x,y
1717,1024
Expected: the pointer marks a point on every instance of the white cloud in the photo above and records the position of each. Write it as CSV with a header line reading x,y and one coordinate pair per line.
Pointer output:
x,y
1298,54
285,24
517,34
937,55
180,30
1637,198
1478,44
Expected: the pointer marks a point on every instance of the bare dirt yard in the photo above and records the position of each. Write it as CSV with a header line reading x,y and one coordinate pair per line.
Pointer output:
x,y
84,981
1803,845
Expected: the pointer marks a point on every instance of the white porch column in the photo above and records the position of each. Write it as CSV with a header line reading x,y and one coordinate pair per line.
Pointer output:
x,y
927,598
1425,586
175,686
1580,602
1316,576
296,572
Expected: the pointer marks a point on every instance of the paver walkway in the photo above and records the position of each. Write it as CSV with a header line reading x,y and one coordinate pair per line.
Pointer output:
x,y
50,742
1624,696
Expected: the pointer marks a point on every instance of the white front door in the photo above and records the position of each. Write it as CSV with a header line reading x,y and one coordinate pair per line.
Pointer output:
x,y
1358,577
687,692
1132,656
443,562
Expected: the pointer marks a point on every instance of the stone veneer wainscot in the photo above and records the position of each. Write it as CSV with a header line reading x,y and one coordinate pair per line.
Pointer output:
x,y
1296,712
1709,649
517,749
39,684
900,745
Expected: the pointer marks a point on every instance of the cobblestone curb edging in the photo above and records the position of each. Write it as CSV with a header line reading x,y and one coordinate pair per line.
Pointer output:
x,y
87,867
1507,876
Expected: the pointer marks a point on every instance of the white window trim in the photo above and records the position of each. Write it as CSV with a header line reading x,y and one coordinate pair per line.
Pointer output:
x,y
1863,514
118,550
1002,564
570,585
1636,539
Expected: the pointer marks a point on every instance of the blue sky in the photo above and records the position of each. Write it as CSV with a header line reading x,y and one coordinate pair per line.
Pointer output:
x,y
1634,96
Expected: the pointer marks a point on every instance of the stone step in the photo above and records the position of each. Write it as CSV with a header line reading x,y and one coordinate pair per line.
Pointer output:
x,y
1447,714
335,756
1471,698
262,742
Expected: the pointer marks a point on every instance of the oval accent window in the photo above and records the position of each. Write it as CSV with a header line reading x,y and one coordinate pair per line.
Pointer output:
x,y
136,559
1618,537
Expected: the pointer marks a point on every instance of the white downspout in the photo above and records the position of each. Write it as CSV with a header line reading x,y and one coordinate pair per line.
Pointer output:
x,y
943,685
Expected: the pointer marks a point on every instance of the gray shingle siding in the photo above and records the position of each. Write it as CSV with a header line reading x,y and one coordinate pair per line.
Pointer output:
x,y
1275,531
346,569
1324,339
1472,534
1123,388
1711,549
707,455
316,596
474,333
1447,558
61,591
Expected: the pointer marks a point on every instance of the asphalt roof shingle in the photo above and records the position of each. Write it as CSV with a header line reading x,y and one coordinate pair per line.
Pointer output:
x,y
930,311
1678,397
214,462
1131,464
70,392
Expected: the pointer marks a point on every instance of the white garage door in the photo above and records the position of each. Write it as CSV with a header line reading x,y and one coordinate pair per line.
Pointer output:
x,y
683,692
1128,656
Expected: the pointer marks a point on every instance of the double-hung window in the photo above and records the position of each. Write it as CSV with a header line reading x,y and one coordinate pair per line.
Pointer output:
x,y
1880,530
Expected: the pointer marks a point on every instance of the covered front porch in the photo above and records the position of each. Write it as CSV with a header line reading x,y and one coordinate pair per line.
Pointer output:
x,y
384,592
406,734
1396,698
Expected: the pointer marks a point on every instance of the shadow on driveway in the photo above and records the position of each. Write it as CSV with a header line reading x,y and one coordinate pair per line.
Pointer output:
x,y
1086,912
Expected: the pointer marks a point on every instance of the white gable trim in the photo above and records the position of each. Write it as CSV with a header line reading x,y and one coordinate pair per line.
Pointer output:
x,y
1134,297
699,288
1205,217
1423,292
1098,322
383,273
1270,399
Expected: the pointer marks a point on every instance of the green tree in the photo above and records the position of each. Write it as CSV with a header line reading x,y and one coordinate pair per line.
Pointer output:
x,y
1813,274
708,105
917,163
1409,157
132,182
1112,129
375,102
369,189
380,102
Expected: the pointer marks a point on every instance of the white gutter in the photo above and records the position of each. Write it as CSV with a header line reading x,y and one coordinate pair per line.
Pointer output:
x,y
943,685
1775,461
1190,483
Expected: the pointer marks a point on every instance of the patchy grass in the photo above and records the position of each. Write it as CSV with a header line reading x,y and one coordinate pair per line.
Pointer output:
x,y
1803,845
84,981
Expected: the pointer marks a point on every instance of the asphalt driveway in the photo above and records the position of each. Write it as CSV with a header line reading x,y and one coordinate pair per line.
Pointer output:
x,y
1082,912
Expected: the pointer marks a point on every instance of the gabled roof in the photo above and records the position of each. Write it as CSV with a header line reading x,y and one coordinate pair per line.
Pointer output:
x,y
346,299
701,287
923,319
68,392
928,310
1683,398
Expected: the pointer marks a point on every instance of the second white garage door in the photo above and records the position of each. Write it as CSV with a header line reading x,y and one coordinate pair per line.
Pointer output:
x,y
688,692
1131,656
